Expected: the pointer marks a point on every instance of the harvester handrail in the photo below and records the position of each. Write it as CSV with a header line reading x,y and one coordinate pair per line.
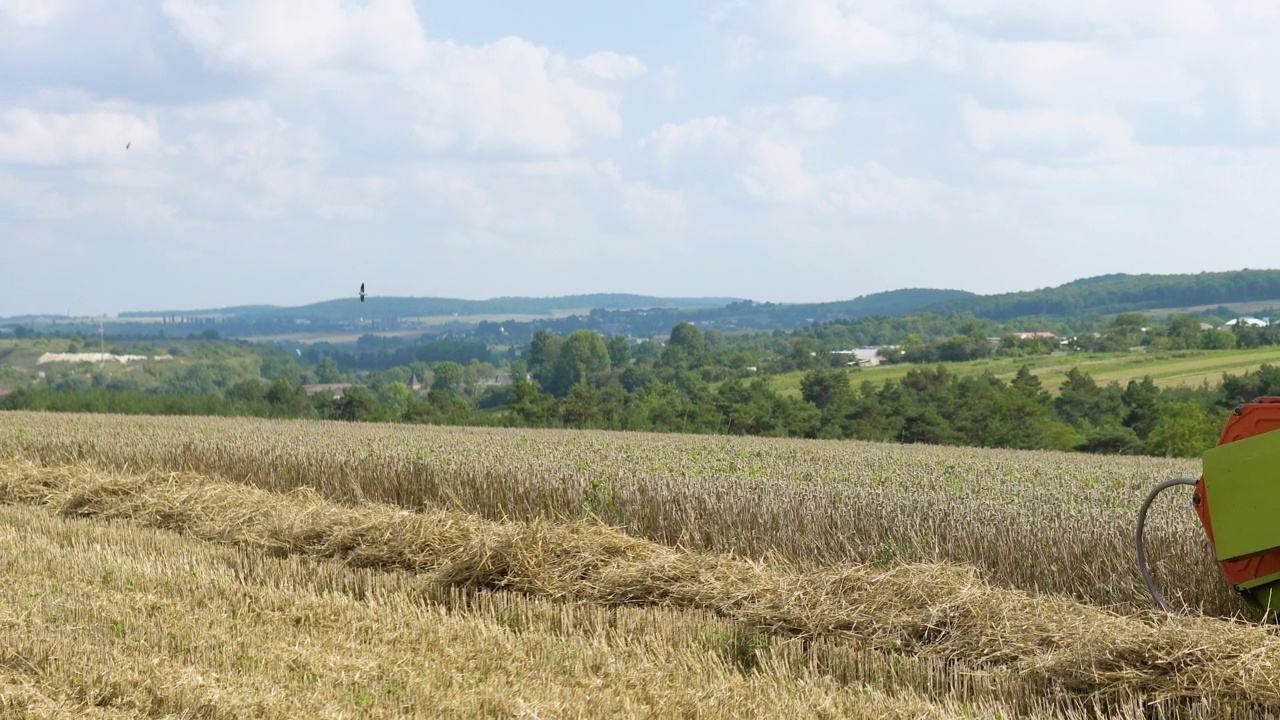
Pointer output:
x,y
1142,552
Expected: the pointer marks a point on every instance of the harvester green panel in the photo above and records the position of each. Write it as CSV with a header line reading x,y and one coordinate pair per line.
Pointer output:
x,y
1242,481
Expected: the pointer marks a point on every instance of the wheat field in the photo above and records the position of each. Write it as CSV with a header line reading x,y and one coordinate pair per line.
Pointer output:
x,y
183,567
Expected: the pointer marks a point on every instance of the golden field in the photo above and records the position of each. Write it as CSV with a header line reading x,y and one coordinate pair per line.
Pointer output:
x,y
183,567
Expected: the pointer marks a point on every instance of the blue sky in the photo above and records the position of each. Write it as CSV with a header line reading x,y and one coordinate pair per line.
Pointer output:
x,y
284,151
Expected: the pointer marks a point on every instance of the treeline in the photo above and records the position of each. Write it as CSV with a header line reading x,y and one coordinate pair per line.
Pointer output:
x,y
373,353
692,386
698,383
280,398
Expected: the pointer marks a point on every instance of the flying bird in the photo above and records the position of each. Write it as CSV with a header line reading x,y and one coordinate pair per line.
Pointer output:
x,y
126,145
361,292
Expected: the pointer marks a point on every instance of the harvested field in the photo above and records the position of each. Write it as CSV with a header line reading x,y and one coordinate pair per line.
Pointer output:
x,y
213,568
344,608
1054,522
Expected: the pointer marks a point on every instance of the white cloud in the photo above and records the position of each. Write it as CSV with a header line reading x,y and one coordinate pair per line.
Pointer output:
x,y
612,66
272,169
1059,132
1084,75
814,113
40,138
779,156
959,143
38,199
775,173
539,204
1098,18
510,95
33,12
284,36
839,36
232,112
873,189
1128,56
671,138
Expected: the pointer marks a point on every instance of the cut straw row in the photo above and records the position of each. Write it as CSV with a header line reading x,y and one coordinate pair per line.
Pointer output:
x,y
944,611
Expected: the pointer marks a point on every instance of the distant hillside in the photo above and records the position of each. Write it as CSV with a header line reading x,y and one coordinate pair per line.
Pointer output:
x,y
238,311
648,316
406,307
748,315
892,302
1120,293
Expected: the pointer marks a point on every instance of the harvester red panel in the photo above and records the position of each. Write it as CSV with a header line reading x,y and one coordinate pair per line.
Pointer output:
x,y
1250,419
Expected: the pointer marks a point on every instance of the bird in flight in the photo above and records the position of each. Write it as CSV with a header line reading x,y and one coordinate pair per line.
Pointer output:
x,y
361,292
126,145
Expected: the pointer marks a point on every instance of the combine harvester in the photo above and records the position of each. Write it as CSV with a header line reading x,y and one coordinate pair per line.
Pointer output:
x,y
1238,501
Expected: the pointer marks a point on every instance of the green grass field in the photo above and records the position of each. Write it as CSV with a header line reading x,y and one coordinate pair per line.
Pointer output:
x,y
1167,368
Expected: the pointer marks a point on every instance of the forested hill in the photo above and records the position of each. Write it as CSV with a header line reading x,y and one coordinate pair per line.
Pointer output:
x,y
349,308
892,303
1121,293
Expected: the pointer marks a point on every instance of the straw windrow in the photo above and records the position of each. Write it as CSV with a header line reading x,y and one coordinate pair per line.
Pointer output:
x,y
1051,643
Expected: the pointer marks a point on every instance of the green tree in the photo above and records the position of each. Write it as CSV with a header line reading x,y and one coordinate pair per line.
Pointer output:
x,y
619,351
395,399
579,407
543,350
1183,430
356,404
582,356
247,391
1218,340
686,347
826,387
1183,333
1142,400
615,407
451,407
1077,397
327,371
288,399
1028,383
1123,332
807,354
530,406
448,376
476,371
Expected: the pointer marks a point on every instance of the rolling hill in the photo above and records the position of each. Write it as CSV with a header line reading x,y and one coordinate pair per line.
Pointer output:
x,y
1109,294
643,315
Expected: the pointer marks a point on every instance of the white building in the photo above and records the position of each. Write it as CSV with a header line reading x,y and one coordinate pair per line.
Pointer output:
x,y
1246,321
863,357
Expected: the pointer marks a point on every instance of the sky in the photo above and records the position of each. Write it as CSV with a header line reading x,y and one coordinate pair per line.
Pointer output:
x,y
186,154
